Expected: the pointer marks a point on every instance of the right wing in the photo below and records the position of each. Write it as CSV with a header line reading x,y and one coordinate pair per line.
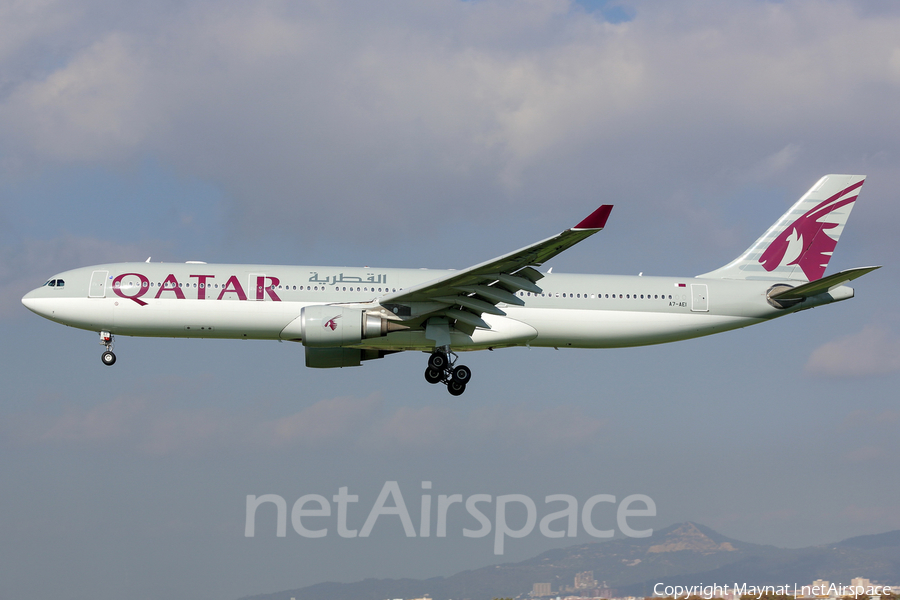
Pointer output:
x,y
465,295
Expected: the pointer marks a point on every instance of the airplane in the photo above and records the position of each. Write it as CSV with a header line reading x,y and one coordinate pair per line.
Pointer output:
x,y
344,316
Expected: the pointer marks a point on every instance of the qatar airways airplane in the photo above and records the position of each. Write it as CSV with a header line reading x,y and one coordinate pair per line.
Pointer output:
x,y
345,315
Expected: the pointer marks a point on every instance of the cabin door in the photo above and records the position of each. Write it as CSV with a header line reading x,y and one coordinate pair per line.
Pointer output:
x,y
98,284
699,297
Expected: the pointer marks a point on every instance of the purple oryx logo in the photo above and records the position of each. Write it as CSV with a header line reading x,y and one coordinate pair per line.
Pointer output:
x,y
332,323
806,241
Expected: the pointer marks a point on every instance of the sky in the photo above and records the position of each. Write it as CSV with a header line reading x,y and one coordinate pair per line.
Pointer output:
x,y
432,134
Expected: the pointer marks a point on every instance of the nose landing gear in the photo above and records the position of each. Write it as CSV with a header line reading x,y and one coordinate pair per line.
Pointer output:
x,y
107,340
441,370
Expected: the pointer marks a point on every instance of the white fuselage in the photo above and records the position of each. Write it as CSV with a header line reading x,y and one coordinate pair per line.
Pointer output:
x,y
265,301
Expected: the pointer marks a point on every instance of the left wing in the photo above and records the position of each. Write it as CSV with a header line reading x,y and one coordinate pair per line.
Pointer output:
x,y
465,295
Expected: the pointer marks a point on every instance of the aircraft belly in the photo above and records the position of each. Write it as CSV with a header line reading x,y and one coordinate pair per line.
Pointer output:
x,y
616,329
504,332
204,318
83,313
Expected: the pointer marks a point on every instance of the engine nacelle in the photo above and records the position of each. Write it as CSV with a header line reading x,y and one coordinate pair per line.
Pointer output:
x,y
325,326
330,358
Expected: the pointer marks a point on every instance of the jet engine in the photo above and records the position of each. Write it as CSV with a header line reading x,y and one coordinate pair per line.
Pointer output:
x,y
327,326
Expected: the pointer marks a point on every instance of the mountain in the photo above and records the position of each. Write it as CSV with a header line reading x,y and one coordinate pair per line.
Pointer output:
x,y
683,554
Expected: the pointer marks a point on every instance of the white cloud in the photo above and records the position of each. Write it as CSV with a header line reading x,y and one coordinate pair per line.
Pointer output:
x,y
322,423
872,351
110,421
328,425
94,108
406,107
776,163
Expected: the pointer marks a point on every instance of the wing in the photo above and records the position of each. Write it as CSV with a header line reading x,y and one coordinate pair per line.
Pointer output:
x,y
465,295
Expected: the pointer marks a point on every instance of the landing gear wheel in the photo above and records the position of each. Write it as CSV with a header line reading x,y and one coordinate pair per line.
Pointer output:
x,y
438,361
456,388
433,375
461,374
108,358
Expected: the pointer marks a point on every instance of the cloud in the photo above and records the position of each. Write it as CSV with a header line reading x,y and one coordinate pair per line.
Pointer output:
x,y
365,423
776,163
404,108
124,422
109,421
873,351
322,423
328,425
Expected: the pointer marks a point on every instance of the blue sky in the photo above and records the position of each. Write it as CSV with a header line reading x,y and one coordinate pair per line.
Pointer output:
x,y
432,134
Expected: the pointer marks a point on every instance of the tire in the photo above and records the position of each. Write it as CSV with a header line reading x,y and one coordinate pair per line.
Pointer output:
x,y
438,361
462,374
456,388
108,358
433,375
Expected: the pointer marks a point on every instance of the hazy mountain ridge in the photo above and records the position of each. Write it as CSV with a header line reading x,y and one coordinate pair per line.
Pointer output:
x,y
685,553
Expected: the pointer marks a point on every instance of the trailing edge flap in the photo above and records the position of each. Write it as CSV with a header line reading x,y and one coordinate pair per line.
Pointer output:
x,y
820,286
478,289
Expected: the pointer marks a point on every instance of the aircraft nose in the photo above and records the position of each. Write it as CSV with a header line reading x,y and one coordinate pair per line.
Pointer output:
x,y
32,302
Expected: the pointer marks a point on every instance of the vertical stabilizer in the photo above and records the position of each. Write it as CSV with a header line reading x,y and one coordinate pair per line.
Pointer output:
x,y
799,245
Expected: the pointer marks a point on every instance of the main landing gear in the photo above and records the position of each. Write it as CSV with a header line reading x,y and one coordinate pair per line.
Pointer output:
x,y
441,370
106,339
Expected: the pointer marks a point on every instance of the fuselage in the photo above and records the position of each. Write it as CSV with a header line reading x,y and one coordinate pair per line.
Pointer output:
x,y
265,302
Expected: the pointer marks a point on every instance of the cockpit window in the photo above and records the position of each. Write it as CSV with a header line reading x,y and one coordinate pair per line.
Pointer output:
x,y
60,283
55,283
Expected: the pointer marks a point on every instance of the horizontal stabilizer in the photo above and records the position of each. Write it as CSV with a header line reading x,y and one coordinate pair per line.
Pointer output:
x,y
820,286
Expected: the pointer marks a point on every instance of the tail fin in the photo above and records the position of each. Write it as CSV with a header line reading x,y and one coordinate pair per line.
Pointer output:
x,y
799,245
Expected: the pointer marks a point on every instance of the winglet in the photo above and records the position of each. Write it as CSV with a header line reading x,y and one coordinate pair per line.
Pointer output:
x,y
597,219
